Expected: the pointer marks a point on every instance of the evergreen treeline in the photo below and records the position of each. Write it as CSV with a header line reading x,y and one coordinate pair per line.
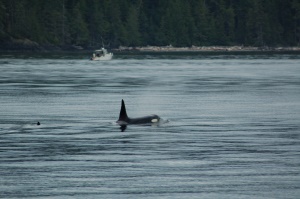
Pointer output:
x,y
88,23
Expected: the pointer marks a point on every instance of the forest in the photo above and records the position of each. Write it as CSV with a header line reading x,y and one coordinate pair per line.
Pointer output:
x,y
180,23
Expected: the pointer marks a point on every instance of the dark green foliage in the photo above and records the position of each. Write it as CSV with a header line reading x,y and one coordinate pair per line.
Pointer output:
x,y
113,23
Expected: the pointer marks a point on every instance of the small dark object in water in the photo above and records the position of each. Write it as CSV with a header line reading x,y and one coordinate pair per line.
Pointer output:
x,y
38,123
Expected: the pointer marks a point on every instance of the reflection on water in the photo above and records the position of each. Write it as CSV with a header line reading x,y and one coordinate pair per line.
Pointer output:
x,y
232,131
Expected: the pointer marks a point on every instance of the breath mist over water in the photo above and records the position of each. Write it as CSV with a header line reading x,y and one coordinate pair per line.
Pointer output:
x,y
233,130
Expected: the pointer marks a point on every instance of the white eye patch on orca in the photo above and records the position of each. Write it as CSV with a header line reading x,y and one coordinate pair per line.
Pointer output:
x,y
154,120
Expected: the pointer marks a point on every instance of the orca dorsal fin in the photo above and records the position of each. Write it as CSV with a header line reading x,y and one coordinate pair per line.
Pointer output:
x,y
123,115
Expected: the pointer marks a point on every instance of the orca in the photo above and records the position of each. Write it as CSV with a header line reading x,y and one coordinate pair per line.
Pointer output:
x,y
124,120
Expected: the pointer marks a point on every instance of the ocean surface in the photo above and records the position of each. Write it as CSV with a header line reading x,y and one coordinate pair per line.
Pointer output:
x,y
231,130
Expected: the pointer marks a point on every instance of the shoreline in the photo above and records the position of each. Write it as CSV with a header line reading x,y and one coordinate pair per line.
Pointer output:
x,y
30,46
207,49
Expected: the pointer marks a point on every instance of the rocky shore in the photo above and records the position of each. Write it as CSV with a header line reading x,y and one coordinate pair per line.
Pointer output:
x,y
206,49
28,45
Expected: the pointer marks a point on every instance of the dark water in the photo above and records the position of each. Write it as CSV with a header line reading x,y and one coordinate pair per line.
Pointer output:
x,y
233,130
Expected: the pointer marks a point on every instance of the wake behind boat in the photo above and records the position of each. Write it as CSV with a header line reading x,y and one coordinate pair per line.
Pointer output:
x,y
101,55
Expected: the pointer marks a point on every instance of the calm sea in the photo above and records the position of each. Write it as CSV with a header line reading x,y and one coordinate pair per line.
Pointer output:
x,y
233,127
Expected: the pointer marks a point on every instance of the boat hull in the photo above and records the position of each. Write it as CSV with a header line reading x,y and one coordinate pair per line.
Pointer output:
x,y
106,57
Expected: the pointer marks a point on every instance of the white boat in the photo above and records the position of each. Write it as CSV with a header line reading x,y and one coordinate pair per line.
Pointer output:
x,y
101,55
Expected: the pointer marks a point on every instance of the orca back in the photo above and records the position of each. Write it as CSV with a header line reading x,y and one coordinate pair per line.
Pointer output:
x,y
125,120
